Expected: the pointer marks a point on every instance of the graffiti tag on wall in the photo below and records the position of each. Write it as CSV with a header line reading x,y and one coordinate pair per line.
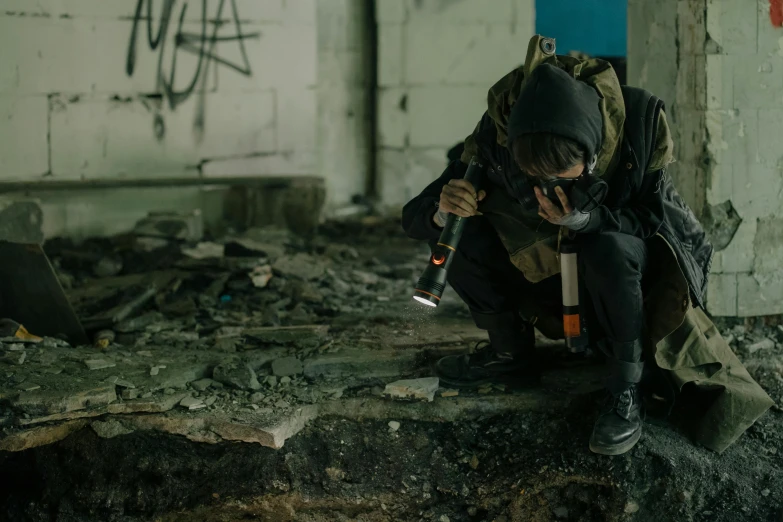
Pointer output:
x,y
202,44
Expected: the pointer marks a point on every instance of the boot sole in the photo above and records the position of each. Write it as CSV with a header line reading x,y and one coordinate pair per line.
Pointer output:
x,y
616,450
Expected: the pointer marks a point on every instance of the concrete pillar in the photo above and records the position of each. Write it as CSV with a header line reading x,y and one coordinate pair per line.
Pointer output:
x,y
345,74
719,66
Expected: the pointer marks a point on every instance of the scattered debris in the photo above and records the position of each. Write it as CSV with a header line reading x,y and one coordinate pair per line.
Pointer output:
x,y
248,247
422,389
202,384
192,403
335,474
170,225
394,426
302,266
109,428
474,462
107,267
99,364
449,393
103,339
204,250
237,374
287,366
16,357
764,344
261,275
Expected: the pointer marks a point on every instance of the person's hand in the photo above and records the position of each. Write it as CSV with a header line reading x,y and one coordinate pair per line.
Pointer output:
x,y
458,197
565,216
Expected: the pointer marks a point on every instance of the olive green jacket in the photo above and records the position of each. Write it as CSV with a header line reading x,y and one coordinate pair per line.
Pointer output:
x,y
683,341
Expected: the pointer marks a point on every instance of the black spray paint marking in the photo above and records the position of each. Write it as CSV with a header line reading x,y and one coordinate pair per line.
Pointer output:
x,y
203,45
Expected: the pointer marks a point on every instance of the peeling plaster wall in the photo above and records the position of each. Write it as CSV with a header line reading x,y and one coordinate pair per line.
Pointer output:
x,y
436,61
74,106
719,66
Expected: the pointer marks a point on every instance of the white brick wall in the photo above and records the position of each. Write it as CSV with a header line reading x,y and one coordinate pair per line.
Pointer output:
x,y
69,111
436,62
728,119
745,86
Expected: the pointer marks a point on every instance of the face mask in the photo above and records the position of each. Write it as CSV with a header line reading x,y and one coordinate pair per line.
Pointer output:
x,y
585,193
588,192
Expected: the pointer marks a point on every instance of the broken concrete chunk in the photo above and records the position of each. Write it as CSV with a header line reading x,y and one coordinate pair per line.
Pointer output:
x,y
246,247
764,344
40,403
394,426
107,267
122,383
130,394
209,401
308,336
302,266
192,403
201,384
365,278
140,323
99,364
110,428
149,244
169,225
287,366
15,358
261,275
257,397
204,250
227,344
341,252
420,389
237,374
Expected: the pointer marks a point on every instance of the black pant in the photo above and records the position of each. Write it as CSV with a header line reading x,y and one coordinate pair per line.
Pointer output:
x,y
611,266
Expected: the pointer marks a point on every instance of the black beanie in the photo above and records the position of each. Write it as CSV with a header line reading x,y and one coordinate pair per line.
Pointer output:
x,y
553,101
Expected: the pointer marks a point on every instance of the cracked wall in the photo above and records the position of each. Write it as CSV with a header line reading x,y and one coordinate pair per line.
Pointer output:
x,y
436,61
719,66
99,90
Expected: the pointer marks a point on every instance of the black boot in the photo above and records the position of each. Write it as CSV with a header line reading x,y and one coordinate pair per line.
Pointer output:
x,y
490,363
619,425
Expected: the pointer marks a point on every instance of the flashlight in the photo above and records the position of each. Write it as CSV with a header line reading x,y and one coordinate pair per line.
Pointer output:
x,y
574,323
429,288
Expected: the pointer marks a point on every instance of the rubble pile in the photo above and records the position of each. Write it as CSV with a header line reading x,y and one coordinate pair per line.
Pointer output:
x,y
255,325
259,336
